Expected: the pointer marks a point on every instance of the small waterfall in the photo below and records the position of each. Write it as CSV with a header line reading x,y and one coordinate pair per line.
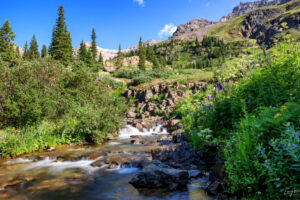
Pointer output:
x,y
130,130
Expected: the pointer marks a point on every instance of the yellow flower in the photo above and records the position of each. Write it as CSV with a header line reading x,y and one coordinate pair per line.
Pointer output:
x,y
283,107
243,100
237,133
253,116
277,115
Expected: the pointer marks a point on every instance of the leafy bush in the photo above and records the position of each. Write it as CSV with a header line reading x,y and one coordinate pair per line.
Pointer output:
x,y
70,98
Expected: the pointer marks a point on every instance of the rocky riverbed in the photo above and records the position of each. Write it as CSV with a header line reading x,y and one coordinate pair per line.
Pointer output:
x,y
148,164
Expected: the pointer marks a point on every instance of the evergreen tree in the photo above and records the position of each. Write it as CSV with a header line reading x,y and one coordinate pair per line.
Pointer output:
x,y
142,55
82,52
33,50
18,55
44,51
61,47
94,45
25,54
6,38
89,60
100,60
119,58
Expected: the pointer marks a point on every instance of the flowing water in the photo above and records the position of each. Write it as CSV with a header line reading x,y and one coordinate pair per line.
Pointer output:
x,y
67,173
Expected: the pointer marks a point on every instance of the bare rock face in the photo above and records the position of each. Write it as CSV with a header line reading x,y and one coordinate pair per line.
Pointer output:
x,y
250,6
195,28
257,24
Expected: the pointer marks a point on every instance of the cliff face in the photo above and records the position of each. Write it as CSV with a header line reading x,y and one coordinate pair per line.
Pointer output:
x,y
250,6
257,24
196,28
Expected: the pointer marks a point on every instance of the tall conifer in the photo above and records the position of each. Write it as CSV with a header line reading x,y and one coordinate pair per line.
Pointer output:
x,y
6,41
61,47
119,58
100,60
82,52
33,50
25,54
44,52
142,55
94,45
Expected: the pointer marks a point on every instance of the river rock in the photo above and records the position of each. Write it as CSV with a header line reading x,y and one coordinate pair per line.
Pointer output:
x,y
131,115
136,136
214,188
93,155
159,175
18,184
179,156
98,163
147,124
139,126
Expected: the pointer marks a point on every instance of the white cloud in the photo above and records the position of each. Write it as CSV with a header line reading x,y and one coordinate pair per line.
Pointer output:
x,y
140,2
168,30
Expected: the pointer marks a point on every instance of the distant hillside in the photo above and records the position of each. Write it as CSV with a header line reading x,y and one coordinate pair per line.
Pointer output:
x,y
110,53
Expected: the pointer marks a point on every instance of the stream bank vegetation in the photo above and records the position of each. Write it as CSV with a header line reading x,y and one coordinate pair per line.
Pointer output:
x,y
254,122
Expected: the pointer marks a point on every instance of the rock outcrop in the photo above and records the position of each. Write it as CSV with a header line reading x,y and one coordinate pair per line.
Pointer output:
x,y
196,28
250,6
257,24
157,100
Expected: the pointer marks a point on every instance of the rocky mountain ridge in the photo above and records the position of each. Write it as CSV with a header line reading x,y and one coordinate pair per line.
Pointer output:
x,y
197,28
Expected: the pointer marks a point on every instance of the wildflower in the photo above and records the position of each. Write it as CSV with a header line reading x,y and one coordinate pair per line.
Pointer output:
x,y
208,97
243,100
277,115
266,165
283,107
248,68
209,107
228,88
286,149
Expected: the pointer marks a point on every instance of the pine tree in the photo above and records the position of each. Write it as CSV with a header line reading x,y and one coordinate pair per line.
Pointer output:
x,y
100,60
33,50
61,47
142,55
44,51
18,55
6,38
25,54
94,45
119,58
89,60
82,52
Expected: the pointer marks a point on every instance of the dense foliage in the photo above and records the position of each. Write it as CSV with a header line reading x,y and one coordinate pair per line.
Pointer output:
x,y
255,124
43,93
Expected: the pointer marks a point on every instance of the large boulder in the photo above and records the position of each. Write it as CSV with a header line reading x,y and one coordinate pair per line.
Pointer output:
x,y
159,175
178,156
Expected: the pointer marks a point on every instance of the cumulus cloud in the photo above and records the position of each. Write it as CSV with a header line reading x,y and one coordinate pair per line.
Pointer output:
x,y
140,2
167,31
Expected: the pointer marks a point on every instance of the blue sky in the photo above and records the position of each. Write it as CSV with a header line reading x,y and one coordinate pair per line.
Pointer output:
x,y
115,21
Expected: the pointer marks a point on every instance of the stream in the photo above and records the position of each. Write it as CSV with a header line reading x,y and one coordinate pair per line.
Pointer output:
x,y
69,172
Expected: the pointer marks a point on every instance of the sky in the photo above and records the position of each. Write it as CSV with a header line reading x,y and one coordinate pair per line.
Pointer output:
x,y
115,21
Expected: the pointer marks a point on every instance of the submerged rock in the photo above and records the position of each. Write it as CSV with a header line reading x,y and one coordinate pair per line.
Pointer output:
x,y
160,175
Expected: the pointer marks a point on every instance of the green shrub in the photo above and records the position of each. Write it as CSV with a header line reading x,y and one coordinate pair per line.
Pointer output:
x,y
71,98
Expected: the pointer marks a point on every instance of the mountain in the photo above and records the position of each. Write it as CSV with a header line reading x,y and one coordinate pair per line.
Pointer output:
x,y
250,6
197,28
111,53
263,24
